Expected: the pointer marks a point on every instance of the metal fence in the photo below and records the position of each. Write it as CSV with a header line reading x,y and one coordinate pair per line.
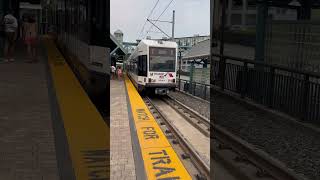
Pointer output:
x,y
293,44
294,92
194,88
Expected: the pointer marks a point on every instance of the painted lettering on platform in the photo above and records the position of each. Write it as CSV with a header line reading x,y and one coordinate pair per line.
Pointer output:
x,y
161,164
142,115
149,133
58,61
97,162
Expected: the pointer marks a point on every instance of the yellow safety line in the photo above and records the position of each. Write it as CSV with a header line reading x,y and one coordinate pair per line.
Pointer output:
x,y
160,159
87,133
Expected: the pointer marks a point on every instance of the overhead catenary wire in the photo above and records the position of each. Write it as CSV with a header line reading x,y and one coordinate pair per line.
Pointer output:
x,y
159,17
148,18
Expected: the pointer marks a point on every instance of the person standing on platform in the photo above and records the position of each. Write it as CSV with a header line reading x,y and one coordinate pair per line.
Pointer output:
x,y
22,25
113,71
31,37
10,27
119,72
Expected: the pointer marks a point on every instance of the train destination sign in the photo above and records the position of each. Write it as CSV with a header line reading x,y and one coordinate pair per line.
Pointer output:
x,y
158,51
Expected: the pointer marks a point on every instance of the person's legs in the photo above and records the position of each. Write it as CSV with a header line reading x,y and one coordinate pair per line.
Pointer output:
x,y
6,47
6,51
29,50
35,48
10,47
34,53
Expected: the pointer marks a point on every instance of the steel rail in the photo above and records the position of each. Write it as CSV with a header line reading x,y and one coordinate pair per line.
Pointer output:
x,y
196,116
195,158
266,164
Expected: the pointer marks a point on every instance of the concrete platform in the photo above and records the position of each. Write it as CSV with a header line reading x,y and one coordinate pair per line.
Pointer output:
x,y
27,149
49,128
122,161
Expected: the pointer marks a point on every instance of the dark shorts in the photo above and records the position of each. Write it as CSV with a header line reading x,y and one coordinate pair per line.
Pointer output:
x,y
10,37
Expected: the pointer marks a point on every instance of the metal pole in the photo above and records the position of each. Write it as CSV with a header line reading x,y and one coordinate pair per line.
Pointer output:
x,y
211,41
222,27
191,77
2,9
216,12
307,10
222,63
262,12
180,70
173,22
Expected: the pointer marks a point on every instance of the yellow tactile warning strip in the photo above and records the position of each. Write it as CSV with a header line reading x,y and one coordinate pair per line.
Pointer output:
x,y
160,160
87,133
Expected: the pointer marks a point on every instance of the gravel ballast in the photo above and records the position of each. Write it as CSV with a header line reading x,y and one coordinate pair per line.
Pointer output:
x,y
297,146
201,106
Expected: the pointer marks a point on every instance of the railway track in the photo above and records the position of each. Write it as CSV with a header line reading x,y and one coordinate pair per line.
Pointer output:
x,y
190,152
240,158
194,118
246,161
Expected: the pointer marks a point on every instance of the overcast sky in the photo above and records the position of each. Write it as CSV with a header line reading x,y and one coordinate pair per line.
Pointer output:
x,y
192,17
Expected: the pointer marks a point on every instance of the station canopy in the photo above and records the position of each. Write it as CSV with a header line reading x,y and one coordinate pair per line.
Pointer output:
x,y
115,45
199,51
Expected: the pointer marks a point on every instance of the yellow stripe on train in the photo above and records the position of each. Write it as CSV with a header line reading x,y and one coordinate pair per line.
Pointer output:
x,y
87,133
160,160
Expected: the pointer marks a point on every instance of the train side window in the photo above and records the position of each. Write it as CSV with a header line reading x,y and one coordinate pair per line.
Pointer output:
x,y
142,65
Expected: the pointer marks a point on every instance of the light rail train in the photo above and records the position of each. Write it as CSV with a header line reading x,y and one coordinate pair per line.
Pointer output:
x,y
81,28
152,67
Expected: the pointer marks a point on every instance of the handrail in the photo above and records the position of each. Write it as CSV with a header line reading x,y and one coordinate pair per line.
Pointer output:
x,y
271,88
193,82
280,67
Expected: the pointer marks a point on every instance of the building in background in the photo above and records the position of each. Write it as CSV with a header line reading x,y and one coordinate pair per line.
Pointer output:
x,y
291,35
186,43
197,55
241,14
191,40
118,34
119,53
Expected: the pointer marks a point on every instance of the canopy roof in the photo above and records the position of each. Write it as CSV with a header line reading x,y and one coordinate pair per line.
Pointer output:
x,y
200,50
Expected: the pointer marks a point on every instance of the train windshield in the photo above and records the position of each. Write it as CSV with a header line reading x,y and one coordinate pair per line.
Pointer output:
x,y
162,59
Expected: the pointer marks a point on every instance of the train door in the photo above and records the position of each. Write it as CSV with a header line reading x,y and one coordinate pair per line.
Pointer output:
x,y
142,67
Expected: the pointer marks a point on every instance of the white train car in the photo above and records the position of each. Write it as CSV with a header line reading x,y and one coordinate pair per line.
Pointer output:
x,y
81,27
152,67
